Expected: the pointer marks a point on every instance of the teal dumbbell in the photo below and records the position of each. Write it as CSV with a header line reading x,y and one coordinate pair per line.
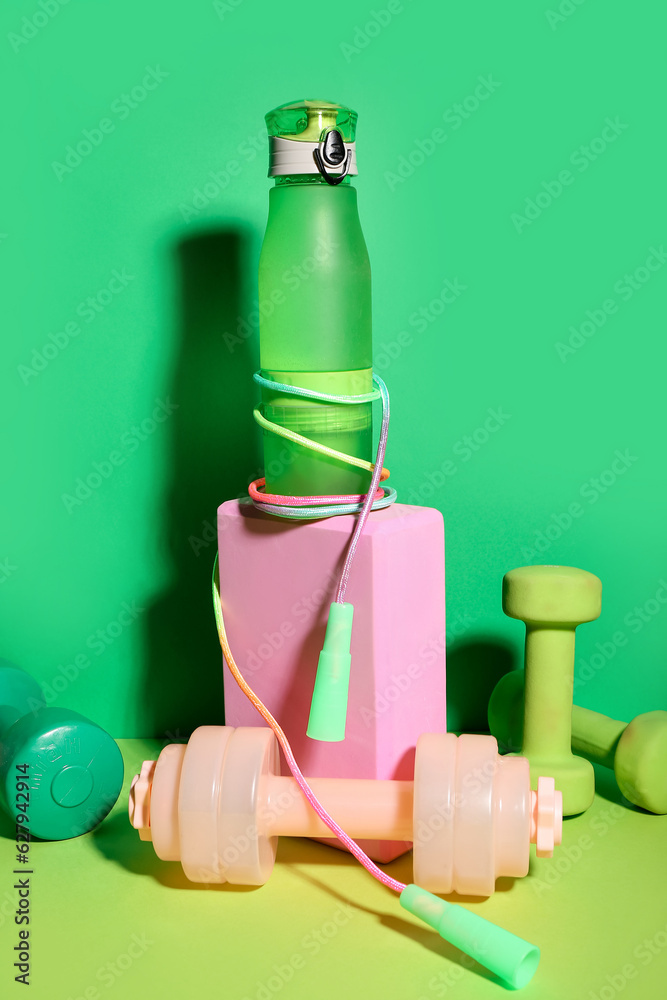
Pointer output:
x,y
552,601
59,772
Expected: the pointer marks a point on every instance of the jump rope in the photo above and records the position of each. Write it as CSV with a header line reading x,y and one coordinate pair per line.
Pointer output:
x,y
308,507
509,956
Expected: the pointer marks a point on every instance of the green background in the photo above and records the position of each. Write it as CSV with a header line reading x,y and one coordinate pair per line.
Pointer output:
x,y
142,537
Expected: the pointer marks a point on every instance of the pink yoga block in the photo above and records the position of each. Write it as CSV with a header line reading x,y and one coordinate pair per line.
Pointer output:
x,y
277,580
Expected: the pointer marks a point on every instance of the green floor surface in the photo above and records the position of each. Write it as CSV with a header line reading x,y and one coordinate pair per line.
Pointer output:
x,y
108,919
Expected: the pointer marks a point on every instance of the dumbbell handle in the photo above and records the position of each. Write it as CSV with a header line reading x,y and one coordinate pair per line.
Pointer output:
x,y
548,695
595,735
364,807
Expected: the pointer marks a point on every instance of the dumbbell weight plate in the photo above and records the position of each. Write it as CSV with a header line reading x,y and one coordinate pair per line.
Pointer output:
x,y
75,772
164,826
220,803
471,814
248,854
433,811
199,802
474,833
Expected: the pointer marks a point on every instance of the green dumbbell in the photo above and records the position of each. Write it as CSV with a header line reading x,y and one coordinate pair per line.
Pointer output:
x,y
60,774
552,601
637,751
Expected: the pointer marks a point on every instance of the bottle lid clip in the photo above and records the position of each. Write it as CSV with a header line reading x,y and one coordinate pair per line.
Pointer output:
x,y
330,154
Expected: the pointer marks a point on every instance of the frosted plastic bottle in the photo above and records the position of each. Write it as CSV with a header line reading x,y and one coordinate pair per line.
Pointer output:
x,y
315,302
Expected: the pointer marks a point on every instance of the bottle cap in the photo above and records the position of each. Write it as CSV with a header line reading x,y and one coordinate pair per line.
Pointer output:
x,y
310,137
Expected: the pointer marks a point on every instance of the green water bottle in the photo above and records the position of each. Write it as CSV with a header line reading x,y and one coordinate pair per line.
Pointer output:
x,y
315,300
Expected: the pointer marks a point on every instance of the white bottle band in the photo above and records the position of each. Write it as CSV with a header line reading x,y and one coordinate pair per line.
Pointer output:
x,y
289,156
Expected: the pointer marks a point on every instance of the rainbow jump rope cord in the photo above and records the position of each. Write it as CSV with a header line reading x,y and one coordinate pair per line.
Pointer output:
x,y
511,958
310,507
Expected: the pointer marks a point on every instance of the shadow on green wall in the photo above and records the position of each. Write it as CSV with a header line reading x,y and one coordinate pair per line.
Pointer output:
x,y
214,453
474,667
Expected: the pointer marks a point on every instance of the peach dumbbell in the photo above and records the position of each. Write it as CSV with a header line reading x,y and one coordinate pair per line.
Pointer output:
x,y
219,804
